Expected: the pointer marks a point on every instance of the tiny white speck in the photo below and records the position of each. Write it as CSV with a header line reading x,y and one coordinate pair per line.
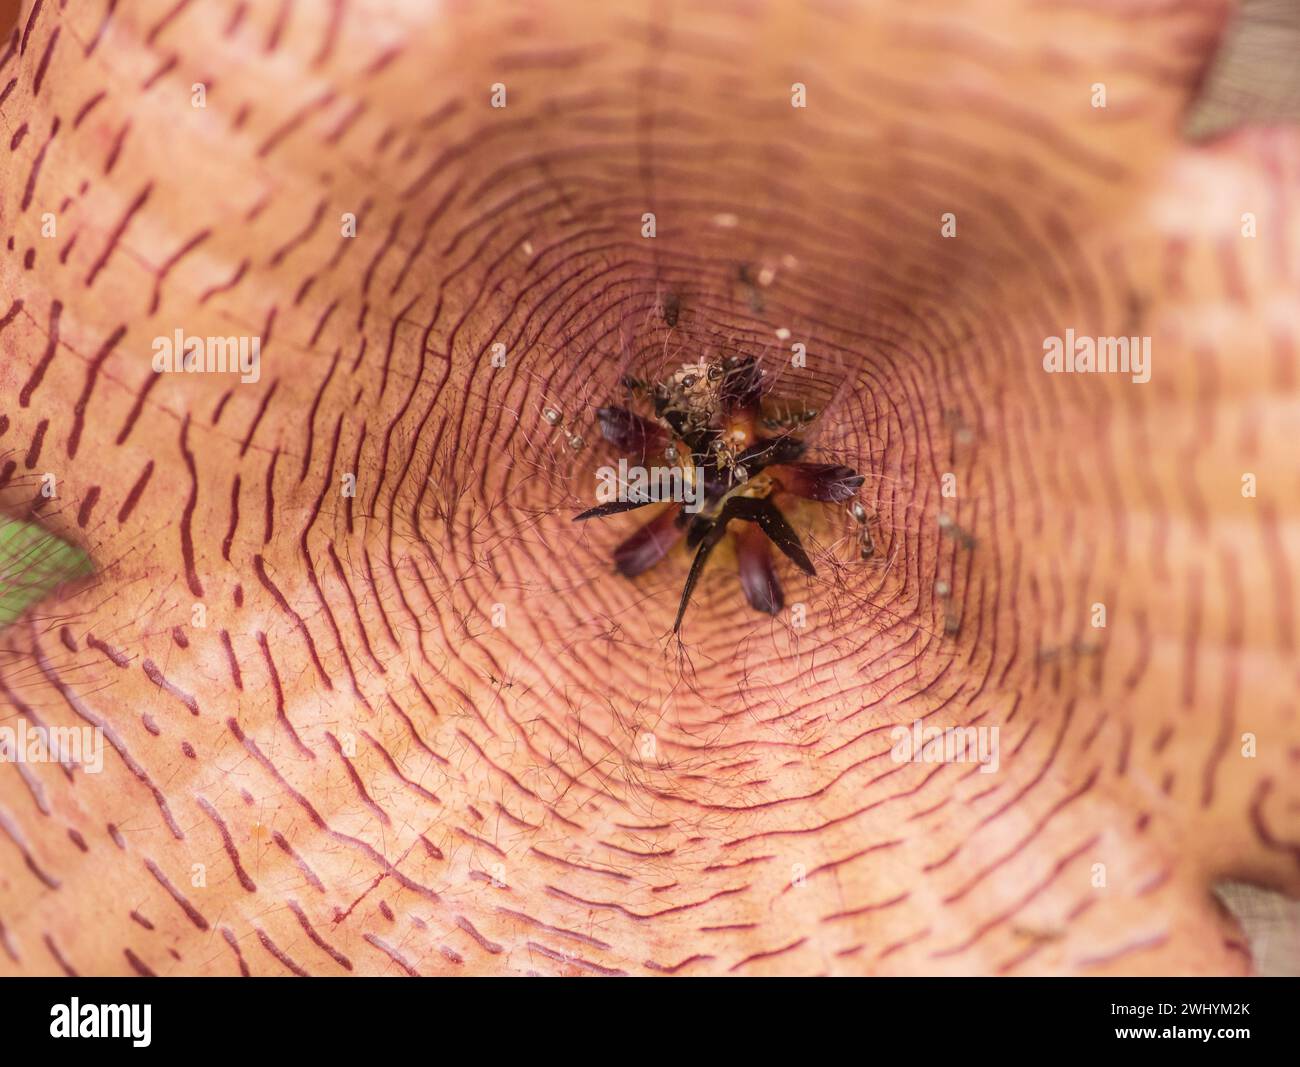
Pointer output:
x,y
726,220
783,334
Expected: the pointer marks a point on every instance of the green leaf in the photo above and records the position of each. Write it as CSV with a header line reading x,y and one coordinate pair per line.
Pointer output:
x,y
33,563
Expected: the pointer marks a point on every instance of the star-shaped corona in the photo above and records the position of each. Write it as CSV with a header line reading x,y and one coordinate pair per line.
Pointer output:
x,y
739,459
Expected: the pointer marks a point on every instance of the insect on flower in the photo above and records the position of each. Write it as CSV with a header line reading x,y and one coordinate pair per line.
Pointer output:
x,y
710,417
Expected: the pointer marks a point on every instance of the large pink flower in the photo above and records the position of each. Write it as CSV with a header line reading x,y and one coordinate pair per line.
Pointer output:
x,y
371,701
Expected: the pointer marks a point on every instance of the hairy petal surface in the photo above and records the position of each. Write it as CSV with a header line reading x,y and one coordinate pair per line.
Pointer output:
x,y
373,703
